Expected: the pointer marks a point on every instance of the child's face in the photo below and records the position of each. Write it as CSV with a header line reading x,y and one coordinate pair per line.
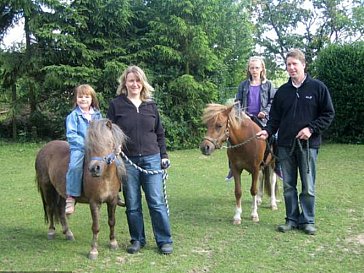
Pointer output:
x,y
255,69
84,101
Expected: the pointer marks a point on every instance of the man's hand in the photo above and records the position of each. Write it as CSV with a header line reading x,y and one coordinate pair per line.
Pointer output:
x,y
304,134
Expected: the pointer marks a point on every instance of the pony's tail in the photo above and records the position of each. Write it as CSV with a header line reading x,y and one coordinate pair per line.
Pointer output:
x,y
268,172
266,178
50,200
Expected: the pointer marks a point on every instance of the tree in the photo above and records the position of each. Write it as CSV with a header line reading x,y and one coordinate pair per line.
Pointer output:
x,y
190,49
308,25
195,48
67,43
20,64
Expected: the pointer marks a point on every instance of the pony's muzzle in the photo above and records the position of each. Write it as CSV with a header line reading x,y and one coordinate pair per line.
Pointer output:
x,y
207,147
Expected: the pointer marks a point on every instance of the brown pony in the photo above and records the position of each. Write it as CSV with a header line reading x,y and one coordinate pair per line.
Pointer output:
x,y
101,179
245,152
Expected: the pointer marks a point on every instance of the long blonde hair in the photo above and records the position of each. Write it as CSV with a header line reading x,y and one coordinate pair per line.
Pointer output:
x,y
263,74
147,89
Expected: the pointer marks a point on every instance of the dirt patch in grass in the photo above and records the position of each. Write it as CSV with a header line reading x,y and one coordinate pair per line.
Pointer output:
x,y
357,239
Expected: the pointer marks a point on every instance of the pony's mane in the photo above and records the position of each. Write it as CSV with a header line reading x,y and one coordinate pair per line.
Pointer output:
x,y
103,135
213,110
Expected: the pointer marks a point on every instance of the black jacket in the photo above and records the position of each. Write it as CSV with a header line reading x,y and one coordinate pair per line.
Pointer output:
x,y
294,108
142,126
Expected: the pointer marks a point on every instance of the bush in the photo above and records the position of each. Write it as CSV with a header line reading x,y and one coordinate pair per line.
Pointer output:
x,y
341,68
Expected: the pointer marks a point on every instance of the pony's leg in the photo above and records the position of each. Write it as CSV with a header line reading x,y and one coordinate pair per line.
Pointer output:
x,y
238,210
260,188
111,221
51,229
253,191
273,181
62,218
48,197
95,214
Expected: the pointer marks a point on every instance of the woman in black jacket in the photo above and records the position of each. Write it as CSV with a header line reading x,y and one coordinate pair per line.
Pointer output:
x,y
136,114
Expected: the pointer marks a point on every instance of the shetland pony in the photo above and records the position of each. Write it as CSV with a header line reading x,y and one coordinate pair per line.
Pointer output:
x,y
245,152
101,179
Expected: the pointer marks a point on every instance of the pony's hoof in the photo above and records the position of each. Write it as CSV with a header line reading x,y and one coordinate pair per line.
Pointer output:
x,y
274,207
93,254
255,219
114,245
69,236
51,234
237,221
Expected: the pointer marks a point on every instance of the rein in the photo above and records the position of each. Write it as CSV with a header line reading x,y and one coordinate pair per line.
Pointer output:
x,y
229,146
296,142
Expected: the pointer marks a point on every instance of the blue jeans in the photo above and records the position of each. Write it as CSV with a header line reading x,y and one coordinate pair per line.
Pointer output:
x,y
291,164
75,173
152,185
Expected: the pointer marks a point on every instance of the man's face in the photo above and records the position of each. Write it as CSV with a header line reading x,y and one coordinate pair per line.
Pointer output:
x,y
295,69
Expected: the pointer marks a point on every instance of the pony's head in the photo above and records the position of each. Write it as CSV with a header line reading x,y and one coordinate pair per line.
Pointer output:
x,y
103,145
219,119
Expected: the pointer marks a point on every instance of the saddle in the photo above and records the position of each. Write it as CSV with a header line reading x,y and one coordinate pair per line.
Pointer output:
x,y
258,121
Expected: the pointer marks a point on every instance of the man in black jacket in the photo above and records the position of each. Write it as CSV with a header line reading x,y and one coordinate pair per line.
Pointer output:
x,y
302,109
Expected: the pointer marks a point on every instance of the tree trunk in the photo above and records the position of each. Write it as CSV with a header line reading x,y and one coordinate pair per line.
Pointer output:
x,y
13,94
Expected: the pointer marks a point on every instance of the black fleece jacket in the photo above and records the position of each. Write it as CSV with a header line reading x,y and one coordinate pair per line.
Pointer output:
x,y
294,108
142,126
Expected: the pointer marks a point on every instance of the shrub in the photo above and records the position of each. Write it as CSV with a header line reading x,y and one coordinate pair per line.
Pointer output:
x,y
341,68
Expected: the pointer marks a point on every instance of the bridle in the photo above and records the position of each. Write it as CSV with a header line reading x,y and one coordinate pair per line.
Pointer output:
x,y
225,137
215,141
110,158
218,144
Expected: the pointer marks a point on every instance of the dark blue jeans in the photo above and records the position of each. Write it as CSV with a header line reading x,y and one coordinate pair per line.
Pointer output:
x,y
291,165
152,185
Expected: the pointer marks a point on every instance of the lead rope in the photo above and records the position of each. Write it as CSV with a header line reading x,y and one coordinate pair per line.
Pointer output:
x,y
296,141
308,153
151,172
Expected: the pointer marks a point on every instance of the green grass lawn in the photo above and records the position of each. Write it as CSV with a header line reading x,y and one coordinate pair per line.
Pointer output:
x,y
201,206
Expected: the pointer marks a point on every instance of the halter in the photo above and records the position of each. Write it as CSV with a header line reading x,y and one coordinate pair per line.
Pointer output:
x,y
108,159
214,141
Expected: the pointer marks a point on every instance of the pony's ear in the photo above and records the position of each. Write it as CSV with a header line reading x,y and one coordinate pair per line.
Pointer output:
x,y
109,124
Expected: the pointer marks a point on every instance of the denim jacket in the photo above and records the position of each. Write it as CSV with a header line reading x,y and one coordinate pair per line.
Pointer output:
x,y
76,127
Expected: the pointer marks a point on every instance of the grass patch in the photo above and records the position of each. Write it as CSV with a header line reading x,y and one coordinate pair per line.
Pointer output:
x,y
202,207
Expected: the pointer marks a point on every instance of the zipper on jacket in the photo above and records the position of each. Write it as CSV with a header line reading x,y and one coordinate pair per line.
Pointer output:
x,y
295,103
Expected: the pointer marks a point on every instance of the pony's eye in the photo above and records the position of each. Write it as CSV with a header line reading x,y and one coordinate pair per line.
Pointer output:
x,y
218,126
